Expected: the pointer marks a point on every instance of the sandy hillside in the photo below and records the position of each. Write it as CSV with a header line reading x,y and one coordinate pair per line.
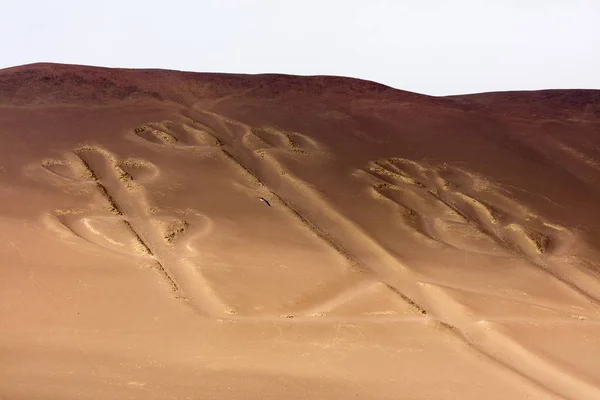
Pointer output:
x,y
413,247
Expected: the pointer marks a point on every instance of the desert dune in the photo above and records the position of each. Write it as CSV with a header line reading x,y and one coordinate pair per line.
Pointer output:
x,y
413,247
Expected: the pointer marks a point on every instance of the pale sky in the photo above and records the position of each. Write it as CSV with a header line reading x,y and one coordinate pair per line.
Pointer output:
x,y
435,47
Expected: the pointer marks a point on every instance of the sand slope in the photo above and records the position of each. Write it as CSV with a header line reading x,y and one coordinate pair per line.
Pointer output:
x,y
414,247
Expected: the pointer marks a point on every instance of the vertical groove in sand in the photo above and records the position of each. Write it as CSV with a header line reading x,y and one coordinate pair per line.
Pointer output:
x,y
114,208
322,234
123,203
326,238
310,225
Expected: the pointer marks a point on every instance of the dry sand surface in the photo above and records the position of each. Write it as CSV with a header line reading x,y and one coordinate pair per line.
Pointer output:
x,y
415,247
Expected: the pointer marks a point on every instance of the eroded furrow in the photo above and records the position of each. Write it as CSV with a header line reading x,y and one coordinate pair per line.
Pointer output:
x,y
123,200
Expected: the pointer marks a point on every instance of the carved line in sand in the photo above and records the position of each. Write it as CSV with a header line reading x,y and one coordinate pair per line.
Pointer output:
x,y
261,144
129,225
498,227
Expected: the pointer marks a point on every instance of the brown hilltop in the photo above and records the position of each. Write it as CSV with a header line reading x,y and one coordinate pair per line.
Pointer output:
x,y
51,83
414,247
63,82
541,104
